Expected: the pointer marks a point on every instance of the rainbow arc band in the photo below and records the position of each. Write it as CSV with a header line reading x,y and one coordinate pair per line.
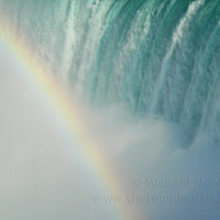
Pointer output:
x,y
71,119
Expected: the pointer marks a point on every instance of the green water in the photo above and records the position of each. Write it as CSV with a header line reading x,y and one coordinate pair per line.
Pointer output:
x,y
158,58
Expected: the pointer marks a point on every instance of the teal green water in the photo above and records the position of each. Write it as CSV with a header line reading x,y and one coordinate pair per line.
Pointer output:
x,y
159,58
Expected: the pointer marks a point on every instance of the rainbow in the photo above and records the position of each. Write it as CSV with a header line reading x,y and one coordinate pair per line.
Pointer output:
x,y
71,119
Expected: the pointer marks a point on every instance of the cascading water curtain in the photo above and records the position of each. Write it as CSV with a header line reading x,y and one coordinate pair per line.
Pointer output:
x,y
157,57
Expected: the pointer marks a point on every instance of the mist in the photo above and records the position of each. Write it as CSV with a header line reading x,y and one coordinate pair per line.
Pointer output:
x,y
45,176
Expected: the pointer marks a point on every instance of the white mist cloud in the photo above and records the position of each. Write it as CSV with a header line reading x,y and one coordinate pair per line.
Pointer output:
x,y
42,173
44,176
151,149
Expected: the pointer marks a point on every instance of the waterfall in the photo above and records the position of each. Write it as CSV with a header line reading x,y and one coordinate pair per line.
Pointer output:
x,y
158,58
144,77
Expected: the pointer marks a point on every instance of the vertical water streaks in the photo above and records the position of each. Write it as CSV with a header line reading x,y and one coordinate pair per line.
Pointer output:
x,y
155,57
